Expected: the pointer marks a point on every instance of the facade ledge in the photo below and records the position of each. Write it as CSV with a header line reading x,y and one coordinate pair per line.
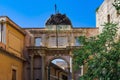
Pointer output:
x,y
2,51
56,48
33,50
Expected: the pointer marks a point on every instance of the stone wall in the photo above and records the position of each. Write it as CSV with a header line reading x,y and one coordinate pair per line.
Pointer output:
x,y
104,10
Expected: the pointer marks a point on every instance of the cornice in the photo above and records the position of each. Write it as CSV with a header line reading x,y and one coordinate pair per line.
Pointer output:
x,y
13,24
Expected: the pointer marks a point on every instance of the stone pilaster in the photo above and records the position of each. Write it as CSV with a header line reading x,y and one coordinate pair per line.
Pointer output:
x,y
48,72
69,74
71,66
43,67
31,66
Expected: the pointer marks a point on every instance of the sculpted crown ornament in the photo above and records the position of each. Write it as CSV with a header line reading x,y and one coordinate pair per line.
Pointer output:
x,y
58,19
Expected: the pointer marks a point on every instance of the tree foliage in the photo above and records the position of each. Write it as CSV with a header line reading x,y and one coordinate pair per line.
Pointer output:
x,y
116,4
101,54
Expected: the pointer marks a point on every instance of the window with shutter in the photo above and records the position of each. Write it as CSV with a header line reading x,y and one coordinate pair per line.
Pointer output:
x,y
3,33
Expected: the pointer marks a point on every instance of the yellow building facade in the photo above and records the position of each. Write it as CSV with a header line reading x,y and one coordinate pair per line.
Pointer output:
x,y
11,50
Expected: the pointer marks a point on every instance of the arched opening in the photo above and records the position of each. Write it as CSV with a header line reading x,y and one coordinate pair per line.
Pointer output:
x,y
58,69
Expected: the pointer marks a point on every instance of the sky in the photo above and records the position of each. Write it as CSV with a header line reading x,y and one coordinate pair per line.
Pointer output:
x,y
34,13
55,60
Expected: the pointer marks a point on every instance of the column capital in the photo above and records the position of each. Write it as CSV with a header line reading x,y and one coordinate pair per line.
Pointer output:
x,y
42,55
31,55
71,54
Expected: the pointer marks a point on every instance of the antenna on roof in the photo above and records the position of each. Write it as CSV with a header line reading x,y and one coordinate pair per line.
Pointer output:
x,y
55,8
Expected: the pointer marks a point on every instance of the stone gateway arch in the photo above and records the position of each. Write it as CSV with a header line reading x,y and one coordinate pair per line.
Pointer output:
x,y
56,41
